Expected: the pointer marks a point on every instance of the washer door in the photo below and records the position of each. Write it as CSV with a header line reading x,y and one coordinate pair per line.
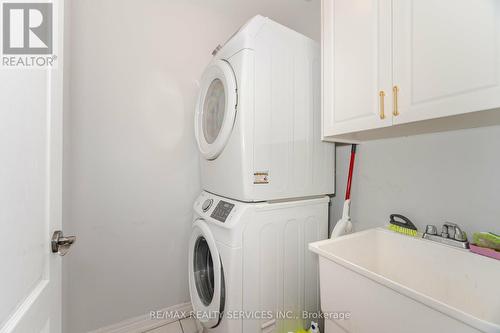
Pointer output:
x,y
206,276
216,109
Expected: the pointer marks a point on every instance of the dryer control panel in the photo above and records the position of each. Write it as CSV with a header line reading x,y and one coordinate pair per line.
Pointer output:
x,y
222,210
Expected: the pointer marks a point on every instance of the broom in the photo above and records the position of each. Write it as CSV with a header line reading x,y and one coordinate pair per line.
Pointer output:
x,y
344,225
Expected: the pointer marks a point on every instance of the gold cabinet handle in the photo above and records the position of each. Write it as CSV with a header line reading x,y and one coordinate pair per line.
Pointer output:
x,y
382,105
395,91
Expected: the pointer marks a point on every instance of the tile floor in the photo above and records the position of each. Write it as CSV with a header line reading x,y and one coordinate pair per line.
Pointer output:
x,y
186,325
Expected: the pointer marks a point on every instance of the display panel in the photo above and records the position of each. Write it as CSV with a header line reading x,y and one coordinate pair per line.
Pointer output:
x,y
221,212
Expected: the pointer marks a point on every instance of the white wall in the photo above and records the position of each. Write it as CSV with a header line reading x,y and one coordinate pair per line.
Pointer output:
x,y
449,176
131,170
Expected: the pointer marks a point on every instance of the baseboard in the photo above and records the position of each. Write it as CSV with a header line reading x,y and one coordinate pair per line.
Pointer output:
x,y
143,323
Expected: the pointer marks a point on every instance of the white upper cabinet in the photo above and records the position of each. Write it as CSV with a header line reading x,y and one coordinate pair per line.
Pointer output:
x,y
431,59
446,59
356,65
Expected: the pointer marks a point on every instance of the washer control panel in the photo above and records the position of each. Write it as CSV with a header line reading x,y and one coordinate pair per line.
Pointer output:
x,y
222,210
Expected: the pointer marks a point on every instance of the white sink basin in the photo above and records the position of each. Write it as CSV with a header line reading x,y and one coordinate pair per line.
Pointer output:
x,y
395,283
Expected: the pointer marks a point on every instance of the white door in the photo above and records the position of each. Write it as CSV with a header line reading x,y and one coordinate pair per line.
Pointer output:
x,y
356,53
216,109
446,57
30,197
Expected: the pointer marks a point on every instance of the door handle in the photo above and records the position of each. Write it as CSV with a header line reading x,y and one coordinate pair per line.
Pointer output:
x,y
395,92
382,104
61,244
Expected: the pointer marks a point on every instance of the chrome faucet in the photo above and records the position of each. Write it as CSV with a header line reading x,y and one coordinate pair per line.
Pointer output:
x,y
451,234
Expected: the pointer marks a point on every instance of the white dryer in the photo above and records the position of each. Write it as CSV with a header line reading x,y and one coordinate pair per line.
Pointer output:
x,y
249,262
258,117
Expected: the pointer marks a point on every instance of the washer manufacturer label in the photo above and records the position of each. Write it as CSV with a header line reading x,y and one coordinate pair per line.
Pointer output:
x,y
261,177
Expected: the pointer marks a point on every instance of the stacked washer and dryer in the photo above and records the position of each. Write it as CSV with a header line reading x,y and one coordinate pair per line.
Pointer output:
x,y
266,177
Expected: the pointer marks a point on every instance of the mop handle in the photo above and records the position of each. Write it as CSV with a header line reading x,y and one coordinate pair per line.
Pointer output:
x,y
351,168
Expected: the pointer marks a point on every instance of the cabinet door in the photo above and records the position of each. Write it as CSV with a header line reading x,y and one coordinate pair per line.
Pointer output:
x,y
446,57
356,58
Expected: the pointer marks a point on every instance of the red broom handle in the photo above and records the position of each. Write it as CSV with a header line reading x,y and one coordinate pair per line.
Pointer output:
x,y
351,168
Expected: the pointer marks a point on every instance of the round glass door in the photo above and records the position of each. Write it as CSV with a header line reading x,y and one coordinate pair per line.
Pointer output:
x,y
203,271
216,109
206,276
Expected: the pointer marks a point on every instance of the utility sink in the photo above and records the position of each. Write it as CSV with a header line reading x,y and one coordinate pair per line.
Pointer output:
x,y
388,282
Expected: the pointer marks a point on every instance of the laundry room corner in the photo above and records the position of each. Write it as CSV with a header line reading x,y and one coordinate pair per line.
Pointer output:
x,y
249,166
131,161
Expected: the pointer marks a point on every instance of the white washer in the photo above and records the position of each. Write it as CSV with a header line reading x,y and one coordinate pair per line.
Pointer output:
x,y
253,257
258,117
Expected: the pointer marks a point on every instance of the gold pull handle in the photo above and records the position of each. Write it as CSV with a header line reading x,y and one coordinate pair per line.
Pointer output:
x,y
382,106
395,91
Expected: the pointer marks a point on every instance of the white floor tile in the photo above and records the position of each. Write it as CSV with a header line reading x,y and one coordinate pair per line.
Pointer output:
x,y
189,325
170,328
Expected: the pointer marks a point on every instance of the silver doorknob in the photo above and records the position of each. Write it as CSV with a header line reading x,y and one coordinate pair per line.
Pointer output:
x,y
61,244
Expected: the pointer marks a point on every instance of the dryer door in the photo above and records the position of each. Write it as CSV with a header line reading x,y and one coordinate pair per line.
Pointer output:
x,y
216,109
206,276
